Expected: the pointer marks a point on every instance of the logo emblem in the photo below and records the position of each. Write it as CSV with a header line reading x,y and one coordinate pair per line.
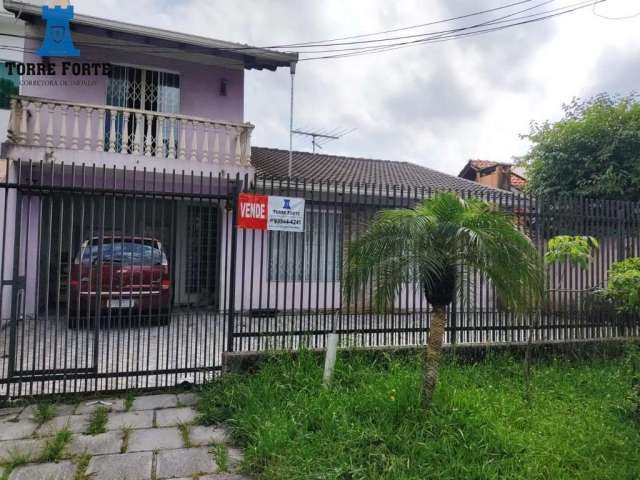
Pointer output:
x,y
57,36
287,204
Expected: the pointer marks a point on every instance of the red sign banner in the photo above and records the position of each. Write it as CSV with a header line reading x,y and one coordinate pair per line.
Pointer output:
x,y
252,211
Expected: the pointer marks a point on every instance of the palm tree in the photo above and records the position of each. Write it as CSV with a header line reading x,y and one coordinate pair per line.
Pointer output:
x,y
431,244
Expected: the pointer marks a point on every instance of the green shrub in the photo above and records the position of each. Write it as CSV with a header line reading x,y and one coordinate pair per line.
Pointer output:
x,y
623,289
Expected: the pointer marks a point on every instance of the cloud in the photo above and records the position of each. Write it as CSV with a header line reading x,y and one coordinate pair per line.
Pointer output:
x,y
617,72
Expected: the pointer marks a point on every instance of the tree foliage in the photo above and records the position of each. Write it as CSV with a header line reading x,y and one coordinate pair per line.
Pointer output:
x,y
431,244
574,250
593,151
624,285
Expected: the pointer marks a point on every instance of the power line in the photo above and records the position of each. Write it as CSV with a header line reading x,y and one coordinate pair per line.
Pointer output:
x,y
325,44
429,37
445,38
322,42
413,27
628,17
418,35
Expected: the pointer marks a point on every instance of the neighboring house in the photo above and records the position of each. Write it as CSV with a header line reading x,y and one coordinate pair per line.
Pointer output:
x,y
504,176
171,102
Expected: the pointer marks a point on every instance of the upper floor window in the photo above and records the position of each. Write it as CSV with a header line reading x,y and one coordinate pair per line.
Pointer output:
x,y
143,89
9,85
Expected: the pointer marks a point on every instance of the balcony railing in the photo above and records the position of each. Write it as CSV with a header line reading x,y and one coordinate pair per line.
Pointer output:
x,y
52,124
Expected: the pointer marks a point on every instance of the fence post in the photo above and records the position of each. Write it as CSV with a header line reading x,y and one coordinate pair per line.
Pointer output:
x,y
232,264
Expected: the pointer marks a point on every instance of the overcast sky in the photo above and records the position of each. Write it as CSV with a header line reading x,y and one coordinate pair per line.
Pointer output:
x,y
436,105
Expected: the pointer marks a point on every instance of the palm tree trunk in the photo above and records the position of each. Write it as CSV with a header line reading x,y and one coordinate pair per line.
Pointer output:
x,y
434,353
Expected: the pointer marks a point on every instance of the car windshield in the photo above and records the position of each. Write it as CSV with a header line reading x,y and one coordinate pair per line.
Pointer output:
x,y
124,252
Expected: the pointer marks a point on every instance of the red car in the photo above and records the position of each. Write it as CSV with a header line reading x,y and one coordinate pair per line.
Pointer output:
x,y
121,277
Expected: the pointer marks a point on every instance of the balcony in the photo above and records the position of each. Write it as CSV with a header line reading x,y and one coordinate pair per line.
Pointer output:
x,y
62,131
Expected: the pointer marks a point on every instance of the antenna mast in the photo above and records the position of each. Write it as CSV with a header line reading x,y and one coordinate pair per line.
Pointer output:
x,y
328,136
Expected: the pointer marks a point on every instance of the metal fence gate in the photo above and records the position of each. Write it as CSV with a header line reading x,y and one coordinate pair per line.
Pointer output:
x,y
111,279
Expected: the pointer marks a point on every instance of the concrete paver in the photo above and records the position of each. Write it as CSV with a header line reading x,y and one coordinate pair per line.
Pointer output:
x,y
187,399
9,413
120,420
152,402
102,444
200,435
155,445
10,430
31,448
149,440
170,417
44,471
184,462
129,466
75,423
60,409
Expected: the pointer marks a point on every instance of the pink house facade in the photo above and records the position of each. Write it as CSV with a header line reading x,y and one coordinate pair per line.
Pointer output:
x,y
167,104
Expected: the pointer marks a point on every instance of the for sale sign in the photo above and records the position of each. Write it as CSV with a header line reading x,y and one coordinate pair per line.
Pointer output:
x,y
286,214
262,212
252,211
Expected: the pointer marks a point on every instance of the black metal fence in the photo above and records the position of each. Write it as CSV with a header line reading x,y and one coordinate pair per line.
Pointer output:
x,y
116,279
112,279
291,292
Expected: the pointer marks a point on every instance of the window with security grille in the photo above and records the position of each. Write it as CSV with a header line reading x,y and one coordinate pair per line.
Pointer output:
x,y
312,256
143,90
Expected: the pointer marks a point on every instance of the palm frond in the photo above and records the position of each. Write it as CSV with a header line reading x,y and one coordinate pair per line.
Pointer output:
x,y
440,234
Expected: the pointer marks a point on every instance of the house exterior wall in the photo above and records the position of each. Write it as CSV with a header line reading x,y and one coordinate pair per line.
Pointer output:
x,y
199,84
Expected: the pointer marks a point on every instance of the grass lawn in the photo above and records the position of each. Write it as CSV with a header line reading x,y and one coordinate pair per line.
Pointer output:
x,y
370,425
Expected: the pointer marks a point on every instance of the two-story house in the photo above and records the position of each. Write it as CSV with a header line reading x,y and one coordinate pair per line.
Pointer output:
x,y
162,103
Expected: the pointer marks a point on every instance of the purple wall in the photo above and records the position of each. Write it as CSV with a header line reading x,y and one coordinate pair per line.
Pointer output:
x,y
200,84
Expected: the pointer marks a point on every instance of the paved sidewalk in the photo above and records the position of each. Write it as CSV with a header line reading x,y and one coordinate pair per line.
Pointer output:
x,y
151,437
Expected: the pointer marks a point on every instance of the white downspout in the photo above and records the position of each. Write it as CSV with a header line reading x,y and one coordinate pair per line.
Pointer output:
x,y
293,76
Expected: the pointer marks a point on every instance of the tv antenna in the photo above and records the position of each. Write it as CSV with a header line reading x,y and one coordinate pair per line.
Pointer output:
x,y
321,138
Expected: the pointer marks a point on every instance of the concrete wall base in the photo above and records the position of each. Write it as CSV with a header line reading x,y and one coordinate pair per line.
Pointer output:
x,y
246,362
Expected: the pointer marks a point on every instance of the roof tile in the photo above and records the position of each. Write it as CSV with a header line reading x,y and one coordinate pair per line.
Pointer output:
x,y
271,162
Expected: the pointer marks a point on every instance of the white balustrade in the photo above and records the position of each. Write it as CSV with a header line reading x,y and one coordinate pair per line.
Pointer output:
x,y
125,132
50,124
100,141
88,138
52,110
